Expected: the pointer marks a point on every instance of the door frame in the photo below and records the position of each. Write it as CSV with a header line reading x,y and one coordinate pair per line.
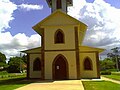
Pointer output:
x,y
53,66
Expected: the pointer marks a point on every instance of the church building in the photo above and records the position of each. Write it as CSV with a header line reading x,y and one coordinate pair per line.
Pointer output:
x,y
61,54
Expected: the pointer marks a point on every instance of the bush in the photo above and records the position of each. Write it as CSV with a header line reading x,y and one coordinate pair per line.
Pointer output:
x,y
105,73
13,69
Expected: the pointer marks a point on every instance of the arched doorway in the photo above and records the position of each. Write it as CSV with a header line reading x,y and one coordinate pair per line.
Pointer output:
x,y
60,68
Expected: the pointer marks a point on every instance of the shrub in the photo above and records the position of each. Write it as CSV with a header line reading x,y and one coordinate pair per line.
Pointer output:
x,y
13,69
105,72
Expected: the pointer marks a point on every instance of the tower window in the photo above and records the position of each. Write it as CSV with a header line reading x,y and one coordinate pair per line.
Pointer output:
x,y
87,64
59,36
59,4
37,65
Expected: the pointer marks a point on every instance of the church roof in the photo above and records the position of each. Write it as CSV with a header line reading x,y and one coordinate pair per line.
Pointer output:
x,y
57,18
33,50
85,49
90,49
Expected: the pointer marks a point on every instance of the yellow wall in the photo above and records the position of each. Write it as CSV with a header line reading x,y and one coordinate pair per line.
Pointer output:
x,y
34,74
67,24
88,73
71,58
69,38
69,55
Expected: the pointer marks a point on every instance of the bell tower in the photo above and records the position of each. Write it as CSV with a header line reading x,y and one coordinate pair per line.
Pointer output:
x,y
59,4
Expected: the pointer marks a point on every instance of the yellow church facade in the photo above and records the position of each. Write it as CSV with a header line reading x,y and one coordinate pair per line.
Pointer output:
x,y
62,55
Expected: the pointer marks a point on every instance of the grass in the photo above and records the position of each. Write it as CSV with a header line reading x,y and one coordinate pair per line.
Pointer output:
x,y
13,81
114,75
12,75
100,85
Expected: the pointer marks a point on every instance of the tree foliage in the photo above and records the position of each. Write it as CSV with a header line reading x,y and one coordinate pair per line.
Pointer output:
x,y
24,58
2,58
107,63
3,64
16,64
115,56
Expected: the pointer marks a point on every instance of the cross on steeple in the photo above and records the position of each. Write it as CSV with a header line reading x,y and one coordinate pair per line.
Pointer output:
x,y
59,4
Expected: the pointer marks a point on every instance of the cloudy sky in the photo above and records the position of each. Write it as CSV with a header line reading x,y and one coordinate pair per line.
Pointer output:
x,y
18,16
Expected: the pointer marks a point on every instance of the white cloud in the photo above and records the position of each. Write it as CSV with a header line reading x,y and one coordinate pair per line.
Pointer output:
x,y
103,22
6,10
75,9
11,45
29,7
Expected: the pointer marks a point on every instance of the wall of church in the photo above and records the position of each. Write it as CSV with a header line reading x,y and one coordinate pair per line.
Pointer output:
x,y
71,58
34,74
69,38
88,73
82,33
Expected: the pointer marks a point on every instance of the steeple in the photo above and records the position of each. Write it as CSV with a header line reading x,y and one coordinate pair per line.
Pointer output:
x,y
59,4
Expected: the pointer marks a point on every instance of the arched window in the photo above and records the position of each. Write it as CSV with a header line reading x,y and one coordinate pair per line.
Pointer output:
x,y
37,65
59,36
87,64
59,4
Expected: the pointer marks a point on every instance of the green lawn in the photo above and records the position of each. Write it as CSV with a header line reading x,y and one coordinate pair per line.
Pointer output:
x,y
100,85
114,75
13,81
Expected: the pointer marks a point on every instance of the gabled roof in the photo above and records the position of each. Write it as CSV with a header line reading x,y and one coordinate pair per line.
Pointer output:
x,y
60,12
89,49
56,13
33,50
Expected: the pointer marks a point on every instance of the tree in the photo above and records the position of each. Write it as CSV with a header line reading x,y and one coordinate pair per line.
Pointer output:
x,y
3,64
16,65
2,58
24,58
107,63
114,56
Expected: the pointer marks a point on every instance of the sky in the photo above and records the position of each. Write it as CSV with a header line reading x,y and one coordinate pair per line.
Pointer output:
x,y
18,16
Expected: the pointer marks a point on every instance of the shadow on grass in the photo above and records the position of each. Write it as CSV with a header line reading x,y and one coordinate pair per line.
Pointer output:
x,y
17,81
